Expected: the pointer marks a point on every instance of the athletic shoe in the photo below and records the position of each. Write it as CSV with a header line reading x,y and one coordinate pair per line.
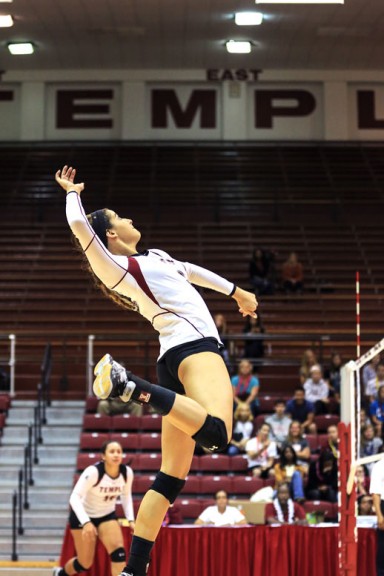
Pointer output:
x,y
112,380
56,570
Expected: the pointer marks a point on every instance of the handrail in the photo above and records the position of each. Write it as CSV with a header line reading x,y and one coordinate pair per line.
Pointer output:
x,y
14,555
20,528
11,360
26,478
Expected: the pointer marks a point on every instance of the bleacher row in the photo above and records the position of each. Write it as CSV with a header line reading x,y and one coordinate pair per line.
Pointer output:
x,y
140,438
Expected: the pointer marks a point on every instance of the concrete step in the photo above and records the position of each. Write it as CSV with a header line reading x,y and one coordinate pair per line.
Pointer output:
x,y
53,455
37,519
33,531
54,416
54,403
51,435
36,496
42,475
50,546
20,571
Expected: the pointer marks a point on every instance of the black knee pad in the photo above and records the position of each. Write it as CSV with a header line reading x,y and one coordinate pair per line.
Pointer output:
x,y
78,567
168,486
212,435
118,555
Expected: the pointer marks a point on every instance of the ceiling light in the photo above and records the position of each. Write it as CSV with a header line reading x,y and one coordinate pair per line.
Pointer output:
x,y
6,21
21,48
299,1
238,47
248,18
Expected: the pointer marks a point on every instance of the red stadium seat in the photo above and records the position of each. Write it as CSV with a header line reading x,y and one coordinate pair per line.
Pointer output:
x,y
150,441
322,440
142,482
238,463
93,440
246,485
125,422
87,459
2,421
128,440
211,484
148,461
323,421
259,420
313,442
214,462
151,422
91,404
96,422
5,402
190,508
327,508
195,466
192,485
266,404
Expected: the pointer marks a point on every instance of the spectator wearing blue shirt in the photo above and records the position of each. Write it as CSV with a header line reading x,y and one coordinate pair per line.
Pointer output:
x,y
302,410
246,386
376,411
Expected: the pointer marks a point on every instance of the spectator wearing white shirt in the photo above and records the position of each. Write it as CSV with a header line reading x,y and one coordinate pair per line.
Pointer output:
x,y
375,383
221,514
279,423
377,491
317,390
261,452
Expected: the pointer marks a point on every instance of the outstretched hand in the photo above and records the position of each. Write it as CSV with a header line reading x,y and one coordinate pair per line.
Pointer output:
x,y
246,302
65,178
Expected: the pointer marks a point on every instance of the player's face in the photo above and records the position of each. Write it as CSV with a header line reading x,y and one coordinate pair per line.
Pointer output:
x,y
123,227
114,454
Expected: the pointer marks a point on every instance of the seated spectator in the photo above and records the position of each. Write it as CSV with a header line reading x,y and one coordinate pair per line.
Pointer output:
x,y
246,386
283,510
221,514
288,471
253,348
362,480
115,406
300,445
364,418
322,478
221,325
376,411
332,375
242,429
369,444
369,370
261,452
279,423
317,391
332,444
292,274
375,383
365,505
173,515
4,380
262,271
301,410
307,361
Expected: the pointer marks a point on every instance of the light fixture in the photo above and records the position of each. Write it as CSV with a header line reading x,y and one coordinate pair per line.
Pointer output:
x,y
299,1
4,1
17,48
248,18
6,21
238,47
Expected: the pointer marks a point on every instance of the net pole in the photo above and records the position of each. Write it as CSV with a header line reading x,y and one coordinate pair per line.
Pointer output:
x,y
357,314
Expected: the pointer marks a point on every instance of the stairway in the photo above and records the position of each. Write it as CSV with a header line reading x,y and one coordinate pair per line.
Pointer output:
x,y
45,520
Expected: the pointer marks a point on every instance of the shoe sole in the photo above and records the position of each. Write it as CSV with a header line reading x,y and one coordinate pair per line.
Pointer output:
x,y
102,386
106,359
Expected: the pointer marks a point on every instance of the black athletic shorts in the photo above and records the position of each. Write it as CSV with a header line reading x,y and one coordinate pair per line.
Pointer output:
x,y
76,525
168,365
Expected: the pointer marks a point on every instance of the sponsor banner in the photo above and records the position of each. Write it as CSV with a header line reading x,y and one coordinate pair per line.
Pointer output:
x,y
9,112
366,111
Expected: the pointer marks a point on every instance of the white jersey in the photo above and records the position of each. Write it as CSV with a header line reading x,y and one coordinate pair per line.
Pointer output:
x,y
212,515
93,499
377,479
160,285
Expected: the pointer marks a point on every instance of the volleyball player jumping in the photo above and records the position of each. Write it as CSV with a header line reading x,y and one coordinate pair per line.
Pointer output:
x,y
194,394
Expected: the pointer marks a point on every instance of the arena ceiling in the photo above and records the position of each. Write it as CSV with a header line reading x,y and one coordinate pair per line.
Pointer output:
x,y
190,34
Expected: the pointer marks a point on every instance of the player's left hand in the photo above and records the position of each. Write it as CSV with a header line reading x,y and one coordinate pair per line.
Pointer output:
x,y
246,302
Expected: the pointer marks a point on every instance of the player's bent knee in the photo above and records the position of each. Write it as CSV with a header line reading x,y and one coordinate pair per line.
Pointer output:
x,y
212,435
118,555
168,486
78,567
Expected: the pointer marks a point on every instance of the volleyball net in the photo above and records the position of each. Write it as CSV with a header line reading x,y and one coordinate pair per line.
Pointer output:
x,y
352,393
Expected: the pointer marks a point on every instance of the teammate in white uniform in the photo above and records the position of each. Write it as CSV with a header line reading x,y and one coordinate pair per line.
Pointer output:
x,y
194,394
93,511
